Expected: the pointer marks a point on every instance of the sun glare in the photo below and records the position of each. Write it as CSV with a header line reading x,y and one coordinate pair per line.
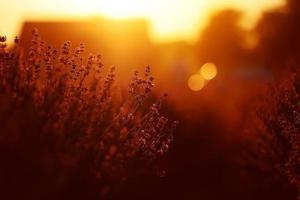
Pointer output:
x,y
208,71
166,22
196,82
114,8
169,20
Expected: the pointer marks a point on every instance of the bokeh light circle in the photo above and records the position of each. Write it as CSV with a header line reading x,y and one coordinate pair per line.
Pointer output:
x,y
209,71
196,82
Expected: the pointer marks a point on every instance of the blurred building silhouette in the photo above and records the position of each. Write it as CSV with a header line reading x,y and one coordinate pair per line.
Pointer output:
x,y
123,43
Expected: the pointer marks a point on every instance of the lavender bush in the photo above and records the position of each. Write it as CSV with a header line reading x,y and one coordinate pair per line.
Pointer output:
x,y
279,136
62,114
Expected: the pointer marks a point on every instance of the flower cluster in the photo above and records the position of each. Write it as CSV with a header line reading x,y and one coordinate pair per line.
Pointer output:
x,y
280,115
64,109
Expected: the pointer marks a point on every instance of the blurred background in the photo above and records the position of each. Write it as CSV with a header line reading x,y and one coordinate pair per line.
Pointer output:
x,y
212,57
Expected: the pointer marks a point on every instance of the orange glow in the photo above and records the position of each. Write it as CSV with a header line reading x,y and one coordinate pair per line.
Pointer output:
x,y
169,19
196,82
208,71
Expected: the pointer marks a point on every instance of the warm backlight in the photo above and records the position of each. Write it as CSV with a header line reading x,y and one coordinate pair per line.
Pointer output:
x,y
169,19
208,71
196,82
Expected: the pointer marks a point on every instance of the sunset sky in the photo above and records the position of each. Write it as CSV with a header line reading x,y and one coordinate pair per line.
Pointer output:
x,y
169,19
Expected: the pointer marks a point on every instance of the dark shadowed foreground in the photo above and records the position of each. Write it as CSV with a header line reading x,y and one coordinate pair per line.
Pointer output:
x,y
66,131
